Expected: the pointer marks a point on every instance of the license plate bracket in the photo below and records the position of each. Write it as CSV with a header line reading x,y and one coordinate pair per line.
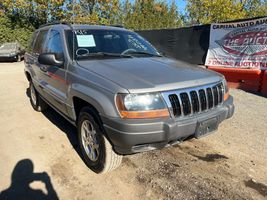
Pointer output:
x,y
206,127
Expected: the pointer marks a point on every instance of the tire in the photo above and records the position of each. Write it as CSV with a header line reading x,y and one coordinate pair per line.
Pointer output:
x,y
18,58
105,159
37,102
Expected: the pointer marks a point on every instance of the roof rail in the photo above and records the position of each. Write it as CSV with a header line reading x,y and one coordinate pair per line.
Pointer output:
x,y
55,23
68,24
117,25
113,25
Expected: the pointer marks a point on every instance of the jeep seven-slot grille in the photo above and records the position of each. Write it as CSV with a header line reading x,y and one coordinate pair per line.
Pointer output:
x,y
196,100
175,104
203,99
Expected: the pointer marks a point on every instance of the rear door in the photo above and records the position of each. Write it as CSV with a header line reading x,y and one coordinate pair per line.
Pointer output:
x,y
54,77
32,60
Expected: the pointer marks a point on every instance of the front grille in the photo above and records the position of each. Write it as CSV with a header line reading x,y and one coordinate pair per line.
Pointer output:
x,y
210,97
186,103
195,100
215,95
203,99
221,92
175,104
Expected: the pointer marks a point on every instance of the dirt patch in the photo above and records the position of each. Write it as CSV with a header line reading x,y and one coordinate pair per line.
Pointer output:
x,y
229,164
178,175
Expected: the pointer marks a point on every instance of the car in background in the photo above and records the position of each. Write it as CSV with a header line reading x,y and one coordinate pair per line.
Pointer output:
x,y
11,51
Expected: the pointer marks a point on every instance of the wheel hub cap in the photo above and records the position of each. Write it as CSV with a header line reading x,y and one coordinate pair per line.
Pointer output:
x,y
89,140
33,95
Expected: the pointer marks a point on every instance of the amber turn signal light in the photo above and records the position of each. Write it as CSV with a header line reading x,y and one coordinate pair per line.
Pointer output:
x,y
226,96
144,114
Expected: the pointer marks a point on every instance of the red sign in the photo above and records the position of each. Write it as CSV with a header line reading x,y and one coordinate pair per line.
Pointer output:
x,y
240,44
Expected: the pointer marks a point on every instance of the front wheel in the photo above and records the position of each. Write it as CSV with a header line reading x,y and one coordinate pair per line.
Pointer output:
x,y
96,150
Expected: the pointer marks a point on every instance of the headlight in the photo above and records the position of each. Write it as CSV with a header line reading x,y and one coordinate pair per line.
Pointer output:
x,y
147,105
226,90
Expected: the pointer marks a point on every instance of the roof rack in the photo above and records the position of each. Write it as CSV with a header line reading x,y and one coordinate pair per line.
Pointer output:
x,y
117,25
55,23
68,24
113,25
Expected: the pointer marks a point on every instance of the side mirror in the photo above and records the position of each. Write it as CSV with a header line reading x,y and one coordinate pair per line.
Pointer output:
x,y
50,59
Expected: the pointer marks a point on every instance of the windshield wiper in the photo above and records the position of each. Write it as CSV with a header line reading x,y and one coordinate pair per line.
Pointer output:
x,y
143,53
104,54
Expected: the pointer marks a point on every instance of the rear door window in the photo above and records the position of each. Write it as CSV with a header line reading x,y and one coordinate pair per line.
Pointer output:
x,y
39,42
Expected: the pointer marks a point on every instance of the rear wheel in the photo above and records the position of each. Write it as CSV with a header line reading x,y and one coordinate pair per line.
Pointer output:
x,y
96,150
37,102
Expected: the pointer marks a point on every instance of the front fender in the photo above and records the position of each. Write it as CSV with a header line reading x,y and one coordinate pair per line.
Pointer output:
x,y
101,99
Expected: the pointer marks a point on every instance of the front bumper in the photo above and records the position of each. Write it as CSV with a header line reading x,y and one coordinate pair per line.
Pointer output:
x,y
130,136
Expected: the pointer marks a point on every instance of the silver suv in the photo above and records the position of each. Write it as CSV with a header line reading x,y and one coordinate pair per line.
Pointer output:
x,y
123,96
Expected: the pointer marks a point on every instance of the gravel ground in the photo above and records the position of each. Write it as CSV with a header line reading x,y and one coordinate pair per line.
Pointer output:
x,y
230,164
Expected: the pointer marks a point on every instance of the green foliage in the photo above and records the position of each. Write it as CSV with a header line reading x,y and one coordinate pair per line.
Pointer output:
x,y
206,11
10,32
95,12
255,8
150,14
19,18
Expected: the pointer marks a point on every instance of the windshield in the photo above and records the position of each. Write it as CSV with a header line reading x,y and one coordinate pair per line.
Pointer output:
x,y
8,46
90,43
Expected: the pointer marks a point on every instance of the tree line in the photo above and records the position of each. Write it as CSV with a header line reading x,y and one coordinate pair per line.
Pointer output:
x,y
19,18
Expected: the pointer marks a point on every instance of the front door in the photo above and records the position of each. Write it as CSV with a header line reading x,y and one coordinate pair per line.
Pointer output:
x,y
54,77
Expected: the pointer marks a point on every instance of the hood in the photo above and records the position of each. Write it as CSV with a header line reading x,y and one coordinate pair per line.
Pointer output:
x,y
151,74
